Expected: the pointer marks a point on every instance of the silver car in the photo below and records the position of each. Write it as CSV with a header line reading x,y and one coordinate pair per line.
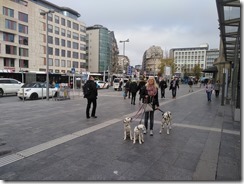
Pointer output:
x,y
9,86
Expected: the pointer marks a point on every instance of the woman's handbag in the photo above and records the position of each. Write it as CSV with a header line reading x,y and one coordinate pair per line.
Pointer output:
x,y
147,107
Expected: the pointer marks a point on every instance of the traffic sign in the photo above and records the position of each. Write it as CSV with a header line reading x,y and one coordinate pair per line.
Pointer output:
x,y
73,70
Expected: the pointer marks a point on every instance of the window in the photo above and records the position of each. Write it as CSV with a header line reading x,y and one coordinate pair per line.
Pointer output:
x,y
50,62
56,19
69,34
56,52
75,55
50,39
63,53
75,26
23,17
8,12
57,30
50,50
56,41
69,44
9,24
75,64
63,63
8,37
23,29
75,36
63,42
63,21
57,63
10,49
82,56
23,52
83,38
23,40
50,28
69,54
63,32
23,63
75,45
82,29
69,23
8,62
68,64
50,17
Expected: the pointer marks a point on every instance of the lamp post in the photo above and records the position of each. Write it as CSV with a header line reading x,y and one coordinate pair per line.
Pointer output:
x,y
47,59
123,41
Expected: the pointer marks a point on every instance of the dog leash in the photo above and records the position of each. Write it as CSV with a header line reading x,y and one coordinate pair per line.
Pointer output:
x,y
160,110
137,114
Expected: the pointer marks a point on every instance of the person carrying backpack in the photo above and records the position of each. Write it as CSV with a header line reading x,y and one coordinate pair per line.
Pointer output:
x,y
90,93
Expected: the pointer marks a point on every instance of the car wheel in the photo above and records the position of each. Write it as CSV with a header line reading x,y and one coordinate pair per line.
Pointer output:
x,y
34,96
1,92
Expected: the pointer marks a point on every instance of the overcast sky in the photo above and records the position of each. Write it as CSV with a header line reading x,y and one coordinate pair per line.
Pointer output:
x,y
165,23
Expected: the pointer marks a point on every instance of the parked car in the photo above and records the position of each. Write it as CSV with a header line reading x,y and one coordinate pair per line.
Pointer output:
x,y
36,90
9,85
102,85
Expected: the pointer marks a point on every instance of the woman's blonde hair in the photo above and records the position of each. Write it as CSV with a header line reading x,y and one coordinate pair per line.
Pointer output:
x,y
154,81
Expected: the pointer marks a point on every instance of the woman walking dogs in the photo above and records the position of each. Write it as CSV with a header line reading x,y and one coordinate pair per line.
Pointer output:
x,y
150,96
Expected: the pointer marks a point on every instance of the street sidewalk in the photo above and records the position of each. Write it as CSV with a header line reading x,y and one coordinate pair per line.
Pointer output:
x,y
53,141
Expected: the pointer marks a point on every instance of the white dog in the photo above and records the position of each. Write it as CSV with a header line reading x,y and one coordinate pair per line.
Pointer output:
x,y
127,128
166,120
138,133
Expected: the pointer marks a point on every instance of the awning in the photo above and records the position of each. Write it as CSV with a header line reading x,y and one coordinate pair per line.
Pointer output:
x,y
212,69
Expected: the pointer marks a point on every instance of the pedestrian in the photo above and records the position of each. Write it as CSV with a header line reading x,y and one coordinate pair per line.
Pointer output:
x,y
190,83
150,96
163,86
120,85
127,88
91,97
209,88
141,84
133,89
217,88
174,84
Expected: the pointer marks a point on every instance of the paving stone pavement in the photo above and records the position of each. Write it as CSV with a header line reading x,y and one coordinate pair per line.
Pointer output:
x,y
53,141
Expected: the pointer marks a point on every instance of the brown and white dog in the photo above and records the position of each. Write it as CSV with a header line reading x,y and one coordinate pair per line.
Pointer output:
x,y
138,133
127,128
166,120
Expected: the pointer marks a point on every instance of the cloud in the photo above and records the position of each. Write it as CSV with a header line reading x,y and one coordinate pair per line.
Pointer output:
x,y
165,23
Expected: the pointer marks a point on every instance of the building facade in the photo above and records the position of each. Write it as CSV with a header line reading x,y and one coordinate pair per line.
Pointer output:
x,y
101,49
23,37
211,56
152,60
186,59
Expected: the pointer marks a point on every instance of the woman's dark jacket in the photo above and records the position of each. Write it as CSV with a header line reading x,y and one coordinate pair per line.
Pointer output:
x,y
150,99
133,87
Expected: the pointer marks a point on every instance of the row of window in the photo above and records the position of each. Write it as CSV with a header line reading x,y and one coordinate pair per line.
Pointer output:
x,y
10,49
65,53
190,53
10,12
67,43
8,37
10,62
74,35
9,24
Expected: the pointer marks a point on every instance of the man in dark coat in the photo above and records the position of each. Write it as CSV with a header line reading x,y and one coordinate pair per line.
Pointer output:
x,y
163,86
133,90
91,98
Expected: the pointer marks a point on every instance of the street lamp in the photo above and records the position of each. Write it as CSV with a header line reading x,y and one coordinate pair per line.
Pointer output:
x,y
47,58
123,41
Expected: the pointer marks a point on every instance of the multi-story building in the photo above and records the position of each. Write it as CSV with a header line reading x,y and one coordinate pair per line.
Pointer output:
x,y
23,37
101,49
211,56
152,60
186,59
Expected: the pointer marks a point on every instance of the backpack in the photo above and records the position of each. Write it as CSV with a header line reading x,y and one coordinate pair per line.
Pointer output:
x,y
86,90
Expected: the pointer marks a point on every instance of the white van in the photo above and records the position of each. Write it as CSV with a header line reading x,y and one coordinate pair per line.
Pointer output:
x,y
116,82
